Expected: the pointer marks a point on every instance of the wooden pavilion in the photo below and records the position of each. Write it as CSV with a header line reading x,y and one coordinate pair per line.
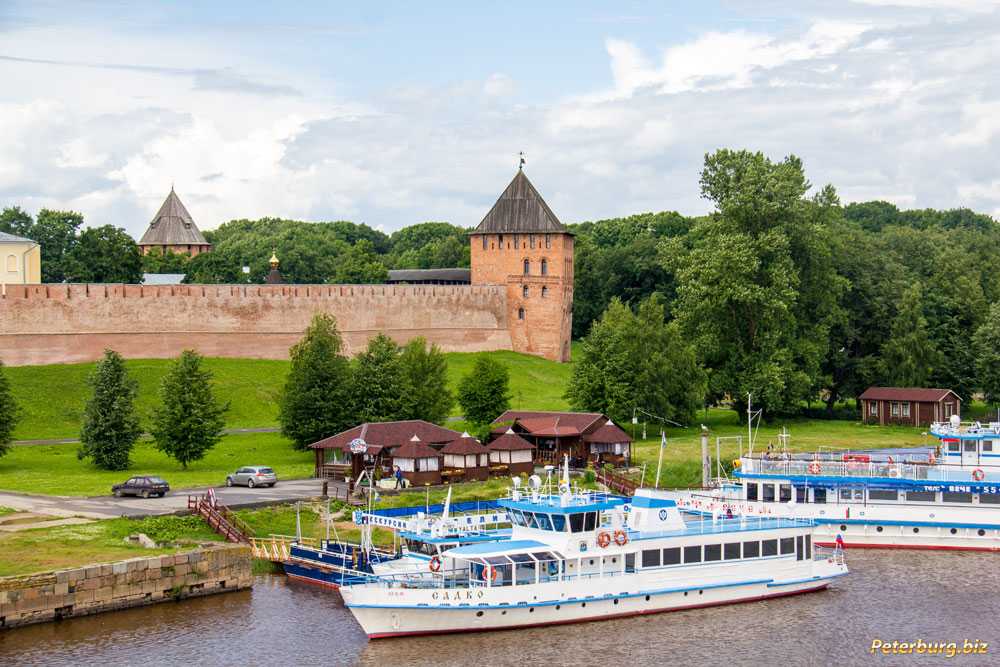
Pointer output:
x,y
466,459
512,454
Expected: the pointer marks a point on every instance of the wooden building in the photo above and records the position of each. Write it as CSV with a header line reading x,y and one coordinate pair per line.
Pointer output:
x,y
419,462
173,230
909,406
466,460
586,437
511,454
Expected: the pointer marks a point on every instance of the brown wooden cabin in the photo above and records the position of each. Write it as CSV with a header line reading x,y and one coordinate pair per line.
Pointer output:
x,y
908,406
419,462
510,454
334,458
465,460
586,437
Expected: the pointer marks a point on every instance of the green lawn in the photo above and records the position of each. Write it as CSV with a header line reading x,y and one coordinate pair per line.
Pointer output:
x,y
61,547
54,469
52,398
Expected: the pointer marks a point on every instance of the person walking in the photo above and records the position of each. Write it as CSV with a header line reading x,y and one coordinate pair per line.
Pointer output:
x,y
400,482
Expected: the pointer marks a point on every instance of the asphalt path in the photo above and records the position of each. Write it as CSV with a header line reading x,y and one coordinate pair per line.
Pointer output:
x,y
175,502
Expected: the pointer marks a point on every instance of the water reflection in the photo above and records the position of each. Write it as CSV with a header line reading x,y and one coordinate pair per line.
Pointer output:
x,y
890,595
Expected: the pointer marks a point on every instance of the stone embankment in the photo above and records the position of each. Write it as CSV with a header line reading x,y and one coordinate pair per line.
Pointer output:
x,y
90,589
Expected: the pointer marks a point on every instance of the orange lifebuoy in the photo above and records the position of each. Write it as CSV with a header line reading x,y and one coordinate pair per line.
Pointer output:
x,y
621,539
489,573
603,539
435,564
814,468
978,474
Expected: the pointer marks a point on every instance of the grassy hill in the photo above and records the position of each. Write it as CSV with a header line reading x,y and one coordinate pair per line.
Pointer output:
x,y
52,398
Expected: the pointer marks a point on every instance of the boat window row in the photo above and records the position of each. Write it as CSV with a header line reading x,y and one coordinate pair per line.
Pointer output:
x,y
574,523
801,546
768,492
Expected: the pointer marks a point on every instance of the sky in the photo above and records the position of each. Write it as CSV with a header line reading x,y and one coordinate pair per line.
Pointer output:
x,y
394,113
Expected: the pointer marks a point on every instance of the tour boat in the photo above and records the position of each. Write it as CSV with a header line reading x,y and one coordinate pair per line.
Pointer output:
x,y
577,555
943,499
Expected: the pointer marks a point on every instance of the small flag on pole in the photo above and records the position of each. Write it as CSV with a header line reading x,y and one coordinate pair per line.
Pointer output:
x,y
663,439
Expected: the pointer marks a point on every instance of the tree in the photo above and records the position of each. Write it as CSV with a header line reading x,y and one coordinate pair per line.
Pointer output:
x,y
425,378
9,413
159,261
110,425
360,265
16,221
986,347
188,421
484,393
379,389
104,255
909,354
316,401
55,232
637,360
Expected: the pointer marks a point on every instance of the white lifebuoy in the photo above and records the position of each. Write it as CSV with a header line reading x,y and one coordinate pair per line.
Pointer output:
x,y
814,468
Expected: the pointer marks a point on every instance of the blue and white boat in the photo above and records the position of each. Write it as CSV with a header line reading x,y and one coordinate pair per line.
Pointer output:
x,y
943,498
577,555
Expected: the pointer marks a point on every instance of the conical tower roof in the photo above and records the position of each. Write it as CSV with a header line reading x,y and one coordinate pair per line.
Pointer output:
x,y
172,225
520,210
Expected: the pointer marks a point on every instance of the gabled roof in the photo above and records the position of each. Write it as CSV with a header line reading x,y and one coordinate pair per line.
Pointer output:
x,y
608,433
520,209
414,449
553,423
464,445
510,441
13,238
906,394
172,225
379,435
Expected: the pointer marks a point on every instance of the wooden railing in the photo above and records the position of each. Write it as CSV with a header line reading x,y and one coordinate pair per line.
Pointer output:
x,y
615,482
276,548
219,517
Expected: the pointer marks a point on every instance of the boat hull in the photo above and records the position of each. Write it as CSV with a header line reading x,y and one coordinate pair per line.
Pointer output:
x,y
383,622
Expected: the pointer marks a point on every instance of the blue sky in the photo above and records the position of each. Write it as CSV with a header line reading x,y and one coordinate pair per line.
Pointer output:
x,y
396,113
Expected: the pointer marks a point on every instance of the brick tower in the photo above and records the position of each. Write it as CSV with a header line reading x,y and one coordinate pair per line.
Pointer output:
x,y
521,244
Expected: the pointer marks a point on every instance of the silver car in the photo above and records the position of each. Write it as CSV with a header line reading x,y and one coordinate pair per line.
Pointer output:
x,y
252,476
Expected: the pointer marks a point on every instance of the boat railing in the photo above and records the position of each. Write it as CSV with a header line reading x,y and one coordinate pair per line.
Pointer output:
x,y
818,467
832,554
965,428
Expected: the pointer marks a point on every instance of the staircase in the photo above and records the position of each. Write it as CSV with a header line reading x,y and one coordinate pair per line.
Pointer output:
x,y
219,517
618,483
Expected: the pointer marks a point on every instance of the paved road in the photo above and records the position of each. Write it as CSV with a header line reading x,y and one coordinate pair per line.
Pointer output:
x,y
70,441
105,507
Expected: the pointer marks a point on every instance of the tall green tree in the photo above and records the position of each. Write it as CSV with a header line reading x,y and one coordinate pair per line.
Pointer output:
x,y
104,254
360,265
484,393
986,348
379,387
56,233
909,354
188,421
316,401
159,261
637,360
425,378
14,220
110,424
9,413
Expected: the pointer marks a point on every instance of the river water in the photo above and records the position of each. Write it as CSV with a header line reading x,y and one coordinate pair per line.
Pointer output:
x,y
902,596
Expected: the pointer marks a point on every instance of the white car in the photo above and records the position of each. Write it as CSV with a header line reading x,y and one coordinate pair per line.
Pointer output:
x,y
251,476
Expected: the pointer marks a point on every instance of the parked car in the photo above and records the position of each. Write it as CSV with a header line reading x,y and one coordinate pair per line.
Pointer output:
x,y
143,486
252,476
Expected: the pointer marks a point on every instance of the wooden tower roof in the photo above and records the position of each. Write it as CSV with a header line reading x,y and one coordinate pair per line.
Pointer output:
x,y
520,210
172,225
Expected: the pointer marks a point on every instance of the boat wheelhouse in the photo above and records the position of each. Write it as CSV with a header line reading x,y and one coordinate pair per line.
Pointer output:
x,y
579,555
921,499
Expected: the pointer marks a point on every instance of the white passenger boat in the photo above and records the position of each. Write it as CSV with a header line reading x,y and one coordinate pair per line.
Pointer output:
x,y
943,499
579,556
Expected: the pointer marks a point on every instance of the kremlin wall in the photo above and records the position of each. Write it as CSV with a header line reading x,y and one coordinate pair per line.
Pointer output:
x,y
520,299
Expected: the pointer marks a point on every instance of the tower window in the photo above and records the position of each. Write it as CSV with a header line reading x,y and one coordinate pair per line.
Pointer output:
x,y
545,291
500,241
531,238
517,241
548,240
485,246
527,267
520,313
524,291
545,268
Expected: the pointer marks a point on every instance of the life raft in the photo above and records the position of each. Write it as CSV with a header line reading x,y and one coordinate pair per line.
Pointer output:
x,y
435,564
603,539
489,573
978,474
814,468
621,539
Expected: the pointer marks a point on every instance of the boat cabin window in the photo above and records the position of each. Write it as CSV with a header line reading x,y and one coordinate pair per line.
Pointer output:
x,y
630,562
953,446
752,491
651,558
801,494
768,493
955,497
769,548
503,568
921,496
731,551
989,498
672,556
808,547
785,492
970,446
751,549
819,495
516,517
882,494
543,521
787,545
529,520
852,494
692,554
800,550
591,521
713,552
987,445
576,523
559,523
524,568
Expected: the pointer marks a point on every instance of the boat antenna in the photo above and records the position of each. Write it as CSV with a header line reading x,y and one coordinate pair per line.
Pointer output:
x,y
659,460
298,524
